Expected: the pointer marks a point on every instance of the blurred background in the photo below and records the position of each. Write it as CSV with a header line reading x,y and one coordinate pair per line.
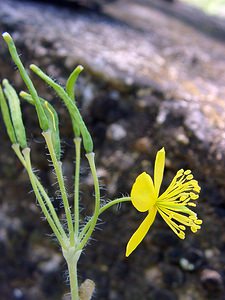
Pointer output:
x,y
154,76
216,7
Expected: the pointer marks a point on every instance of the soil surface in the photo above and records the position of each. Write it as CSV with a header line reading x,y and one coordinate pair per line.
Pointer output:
x,y
154,77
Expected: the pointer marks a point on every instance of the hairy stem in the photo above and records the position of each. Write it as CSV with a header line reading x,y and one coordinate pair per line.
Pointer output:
x,y
102,209
48,202
72,268
71,256
26,153
93,221
77,142
58,170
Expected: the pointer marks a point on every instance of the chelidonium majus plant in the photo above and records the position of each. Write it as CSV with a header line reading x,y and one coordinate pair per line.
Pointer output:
x,y
173,204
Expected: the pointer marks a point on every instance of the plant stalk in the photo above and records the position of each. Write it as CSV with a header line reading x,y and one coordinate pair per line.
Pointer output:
x,y
72,258
77,142
58,170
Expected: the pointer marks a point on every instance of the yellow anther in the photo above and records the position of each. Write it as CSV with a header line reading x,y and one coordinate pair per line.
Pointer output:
x,y
182,227
191,204
199,222
194,196
193,229
180,172
181,235
189,177
187,172
197,189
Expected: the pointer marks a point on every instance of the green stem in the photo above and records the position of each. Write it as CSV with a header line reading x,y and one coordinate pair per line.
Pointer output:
x,y
102,209
58,170
48,202
93,221
26,153
77,142
51,208
72,268
114,202
72,258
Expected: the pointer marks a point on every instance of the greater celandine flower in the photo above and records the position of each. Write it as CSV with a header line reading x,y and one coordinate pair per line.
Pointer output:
x,y
172,205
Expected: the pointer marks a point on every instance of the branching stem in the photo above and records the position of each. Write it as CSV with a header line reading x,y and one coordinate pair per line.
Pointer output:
x,y
26,153
41,189
58,170
102,209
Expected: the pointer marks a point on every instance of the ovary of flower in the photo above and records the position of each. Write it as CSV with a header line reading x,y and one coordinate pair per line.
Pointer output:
x,y
172,205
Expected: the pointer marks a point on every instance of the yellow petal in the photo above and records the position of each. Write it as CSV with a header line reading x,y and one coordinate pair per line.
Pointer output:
x,y
141,232
159,169
143,192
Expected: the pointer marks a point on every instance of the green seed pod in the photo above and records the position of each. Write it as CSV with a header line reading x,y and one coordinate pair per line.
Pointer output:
x,y
70,84
7,118
72,108
87,140
16,115
40,111
52,119
54,127
72,81
61,93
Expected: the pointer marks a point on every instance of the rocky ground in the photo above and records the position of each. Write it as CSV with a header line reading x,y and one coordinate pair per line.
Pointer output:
x,y
152,78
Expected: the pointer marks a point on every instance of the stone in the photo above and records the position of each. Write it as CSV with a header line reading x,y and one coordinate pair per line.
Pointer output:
x,y
161,294
143,145
173,277
18,294
212,281
116,132
192,259
154,276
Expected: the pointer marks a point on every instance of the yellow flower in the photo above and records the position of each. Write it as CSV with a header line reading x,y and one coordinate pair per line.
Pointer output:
x,y
171,205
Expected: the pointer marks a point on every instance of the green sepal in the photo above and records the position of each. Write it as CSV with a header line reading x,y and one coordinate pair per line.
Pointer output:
x,y
52,119
15,112
72,108
6,117
43,121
